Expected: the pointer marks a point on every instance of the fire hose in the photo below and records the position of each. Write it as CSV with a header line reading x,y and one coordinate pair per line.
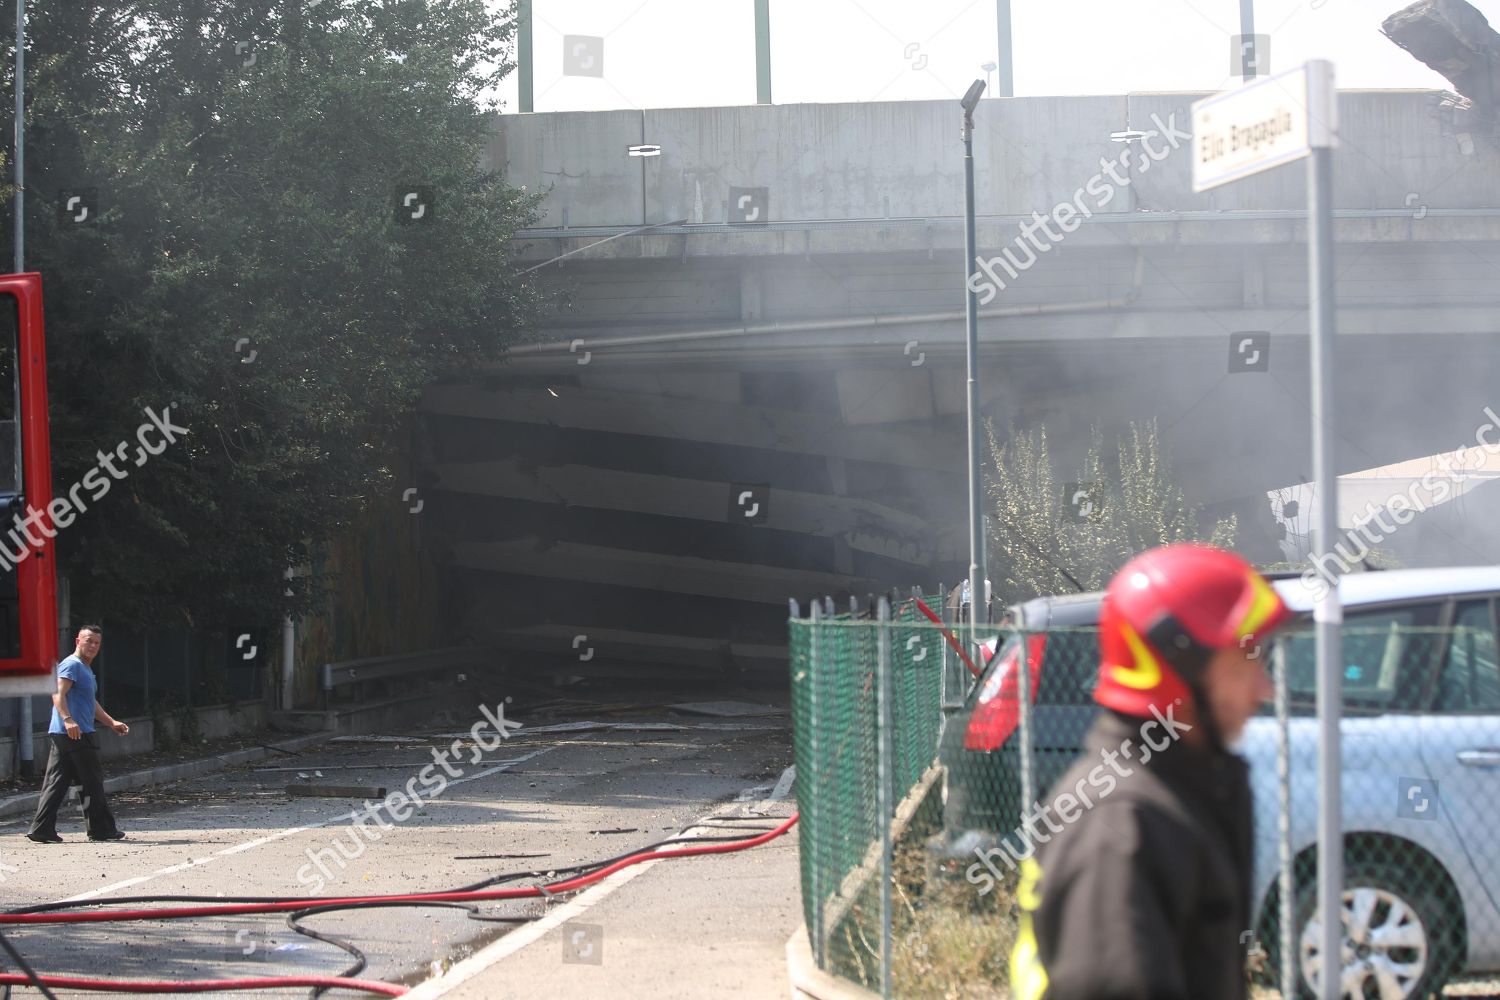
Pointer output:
x,y
60,913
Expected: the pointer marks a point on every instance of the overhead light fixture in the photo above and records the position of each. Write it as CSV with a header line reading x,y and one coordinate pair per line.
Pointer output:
x,y
971,99
645,149
554,392
1129,135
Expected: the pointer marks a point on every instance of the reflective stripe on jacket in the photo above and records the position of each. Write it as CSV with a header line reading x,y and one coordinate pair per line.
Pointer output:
x,y
1142,892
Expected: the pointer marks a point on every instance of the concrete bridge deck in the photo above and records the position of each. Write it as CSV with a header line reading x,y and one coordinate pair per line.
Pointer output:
x,y
795,323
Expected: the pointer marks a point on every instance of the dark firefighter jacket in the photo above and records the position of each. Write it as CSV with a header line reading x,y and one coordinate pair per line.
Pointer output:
x,y
1145,894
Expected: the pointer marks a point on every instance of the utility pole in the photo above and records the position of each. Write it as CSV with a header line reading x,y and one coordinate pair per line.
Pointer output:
x,y
525,60
978,577
1004,59
762,51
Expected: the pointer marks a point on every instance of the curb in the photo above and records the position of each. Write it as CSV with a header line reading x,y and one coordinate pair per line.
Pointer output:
x,y
25,803
810,982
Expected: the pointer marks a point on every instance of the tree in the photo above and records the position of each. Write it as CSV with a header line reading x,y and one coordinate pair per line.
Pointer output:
x,y
1058,536
254,269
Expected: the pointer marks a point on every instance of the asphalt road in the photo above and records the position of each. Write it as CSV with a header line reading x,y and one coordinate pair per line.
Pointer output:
x,y
556,798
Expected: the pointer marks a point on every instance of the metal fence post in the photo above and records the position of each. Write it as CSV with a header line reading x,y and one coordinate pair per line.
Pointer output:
x,y
885,779
810,782
953,691
1286,930
1023,695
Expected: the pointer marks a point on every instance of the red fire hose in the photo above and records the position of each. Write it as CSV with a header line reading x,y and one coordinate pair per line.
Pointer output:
x,y
374,986
933,617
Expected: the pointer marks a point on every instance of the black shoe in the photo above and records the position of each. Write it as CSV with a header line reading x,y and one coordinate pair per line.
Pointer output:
x,y
44,838
117,835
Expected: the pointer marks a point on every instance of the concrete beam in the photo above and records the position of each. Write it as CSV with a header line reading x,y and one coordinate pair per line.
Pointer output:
x,y
1153,330
693,420
901,160
608,644
809,241
863,524
651,571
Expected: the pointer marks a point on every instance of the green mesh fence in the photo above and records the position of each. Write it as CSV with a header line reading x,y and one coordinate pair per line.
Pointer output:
x,y
836,665
1420,802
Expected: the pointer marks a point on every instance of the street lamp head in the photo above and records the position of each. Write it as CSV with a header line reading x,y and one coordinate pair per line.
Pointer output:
x,y
971,99
989,67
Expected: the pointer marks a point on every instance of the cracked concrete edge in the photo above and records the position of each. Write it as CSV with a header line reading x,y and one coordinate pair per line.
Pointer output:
x,y
810,982
25,803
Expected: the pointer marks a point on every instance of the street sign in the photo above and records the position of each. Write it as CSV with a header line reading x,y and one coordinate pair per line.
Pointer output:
x,y
1263,124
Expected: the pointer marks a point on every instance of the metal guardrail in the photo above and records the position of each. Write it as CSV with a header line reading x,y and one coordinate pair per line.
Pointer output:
x,y
354,674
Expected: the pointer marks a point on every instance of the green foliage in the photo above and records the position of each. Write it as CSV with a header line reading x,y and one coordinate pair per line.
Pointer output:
x,y
175,723
1036,545
248,205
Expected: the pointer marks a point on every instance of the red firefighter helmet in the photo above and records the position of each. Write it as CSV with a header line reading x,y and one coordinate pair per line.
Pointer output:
x,y
1166,612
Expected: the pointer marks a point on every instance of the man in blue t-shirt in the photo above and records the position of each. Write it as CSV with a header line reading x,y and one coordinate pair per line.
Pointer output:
x,y
75,747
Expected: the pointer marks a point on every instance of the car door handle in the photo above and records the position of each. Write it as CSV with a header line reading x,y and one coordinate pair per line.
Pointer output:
x,y
1486,757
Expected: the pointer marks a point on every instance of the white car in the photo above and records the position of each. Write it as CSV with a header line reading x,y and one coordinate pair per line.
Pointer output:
x,y
1421,781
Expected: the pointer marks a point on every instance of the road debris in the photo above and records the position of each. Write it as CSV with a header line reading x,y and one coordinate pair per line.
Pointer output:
x,y
336,791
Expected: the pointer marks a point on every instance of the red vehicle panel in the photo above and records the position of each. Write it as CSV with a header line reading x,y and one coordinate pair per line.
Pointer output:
x,y
28,586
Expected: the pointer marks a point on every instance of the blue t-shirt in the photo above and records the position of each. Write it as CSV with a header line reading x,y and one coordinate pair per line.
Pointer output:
x,y
80,695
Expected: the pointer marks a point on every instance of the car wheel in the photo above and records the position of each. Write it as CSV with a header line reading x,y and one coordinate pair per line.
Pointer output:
x,y
1397,944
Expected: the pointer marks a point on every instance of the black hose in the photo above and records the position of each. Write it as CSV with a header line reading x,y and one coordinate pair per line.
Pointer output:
x,y
293,921
26,968
314,909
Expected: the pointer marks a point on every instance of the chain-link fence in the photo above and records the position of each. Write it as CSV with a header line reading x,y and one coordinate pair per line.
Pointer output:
x,y
869,690
909,884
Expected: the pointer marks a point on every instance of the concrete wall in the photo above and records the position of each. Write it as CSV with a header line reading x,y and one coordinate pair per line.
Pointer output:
x,y
215,722
903,160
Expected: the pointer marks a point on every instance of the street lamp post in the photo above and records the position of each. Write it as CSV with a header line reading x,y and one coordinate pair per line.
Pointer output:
x,y
978,592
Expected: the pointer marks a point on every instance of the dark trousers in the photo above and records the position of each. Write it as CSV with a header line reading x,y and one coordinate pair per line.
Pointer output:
x,y
74,762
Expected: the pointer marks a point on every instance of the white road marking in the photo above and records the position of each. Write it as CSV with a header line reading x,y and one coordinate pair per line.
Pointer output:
x,y
537,929
783,786
283,834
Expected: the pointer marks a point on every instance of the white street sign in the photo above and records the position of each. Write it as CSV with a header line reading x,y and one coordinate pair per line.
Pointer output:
x,y
1263,124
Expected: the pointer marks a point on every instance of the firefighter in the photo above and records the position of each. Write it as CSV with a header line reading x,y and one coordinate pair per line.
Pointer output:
x,y
1146,893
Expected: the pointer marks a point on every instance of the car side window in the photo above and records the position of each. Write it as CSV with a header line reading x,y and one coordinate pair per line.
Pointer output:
x,y
1386,654
1471,674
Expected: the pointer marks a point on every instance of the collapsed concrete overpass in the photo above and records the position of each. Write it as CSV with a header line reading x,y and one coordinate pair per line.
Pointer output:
x,y
793,329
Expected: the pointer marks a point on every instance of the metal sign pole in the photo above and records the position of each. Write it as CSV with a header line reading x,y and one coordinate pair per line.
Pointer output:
x,y
1286,934
1249,48
1328,613
1304,102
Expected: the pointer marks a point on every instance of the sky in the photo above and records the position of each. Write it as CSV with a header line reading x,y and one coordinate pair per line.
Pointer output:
x,y
695,53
